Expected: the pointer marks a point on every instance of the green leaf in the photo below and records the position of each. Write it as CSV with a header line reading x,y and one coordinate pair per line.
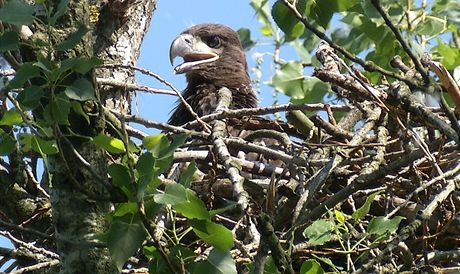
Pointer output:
x,y
26,72
73,39
120,178
58,110
41,146
156,144
177,141
340,5
25,140
30,96
301,50
450,55
364,209
7,144
432,26
109,143
218,262
83,65
17,12
311,267
340,217
214,234
193,208
314,90
286,21
80,90
187,176
61,9
289,79
174,194
123,209
245,38
147,173
9,41
382,225
319,232
270,266
10,118
123,240
262,10
78,109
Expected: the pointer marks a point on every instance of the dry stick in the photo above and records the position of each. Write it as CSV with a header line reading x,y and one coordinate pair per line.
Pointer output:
x,y
325,51
319,178
367,65
405,46
331,129
230,113
163,126
159,78
25,229
269,238
410,229
218,133
250,166
268,152
413,106
7,72
133,87
35,267
37,251
359,183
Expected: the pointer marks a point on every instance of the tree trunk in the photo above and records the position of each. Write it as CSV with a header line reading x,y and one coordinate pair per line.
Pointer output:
x,y
80,195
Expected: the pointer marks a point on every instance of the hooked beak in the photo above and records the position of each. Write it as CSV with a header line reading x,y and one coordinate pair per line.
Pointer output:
x,y
192,50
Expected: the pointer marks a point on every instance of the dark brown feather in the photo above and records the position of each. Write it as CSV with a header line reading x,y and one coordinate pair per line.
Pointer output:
x,y
203,84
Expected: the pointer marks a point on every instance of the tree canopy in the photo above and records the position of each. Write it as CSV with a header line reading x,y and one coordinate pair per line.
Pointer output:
x,y
361,174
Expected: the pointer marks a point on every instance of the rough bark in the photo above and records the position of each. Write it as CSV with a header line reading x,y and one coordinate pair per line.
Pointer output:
x,y
80,196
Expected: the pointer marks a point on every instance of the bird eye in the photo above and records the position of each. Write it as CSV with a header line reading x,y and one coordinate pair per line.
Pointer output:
x,y
214,42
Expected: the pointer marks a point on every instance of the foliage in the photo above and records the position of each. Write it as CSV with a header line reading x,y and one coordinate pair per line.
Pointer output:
x,y
55,100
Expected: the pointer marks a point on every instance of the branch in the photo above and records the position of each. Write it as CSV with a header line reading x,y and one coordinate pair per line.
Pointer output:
x,y
218,133
230,113
268,237
405,46
36,267
159,78
163,126
367,65
249,166
132,87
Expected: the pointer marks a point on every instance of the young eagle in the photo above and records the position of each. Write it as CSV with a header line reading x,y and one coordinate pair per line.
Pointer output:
x,y
213,58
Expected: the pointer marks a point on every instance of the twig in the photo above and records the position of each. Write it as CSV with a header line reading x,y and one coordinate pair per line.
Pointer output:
x,y
405,46
25,229
159,78
282,260
367,65
250,166
218,133
35,267
128,86
410,229
7,72
330,128
163,126
230,113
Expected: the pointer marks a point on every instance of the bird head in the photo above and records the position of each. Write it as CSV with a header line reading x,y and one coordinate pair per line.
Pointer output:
x,y
209,51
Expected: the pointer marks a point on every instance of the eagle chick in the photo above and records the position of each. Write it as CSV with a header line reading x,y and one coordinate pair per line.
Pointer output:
x,y
213,58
